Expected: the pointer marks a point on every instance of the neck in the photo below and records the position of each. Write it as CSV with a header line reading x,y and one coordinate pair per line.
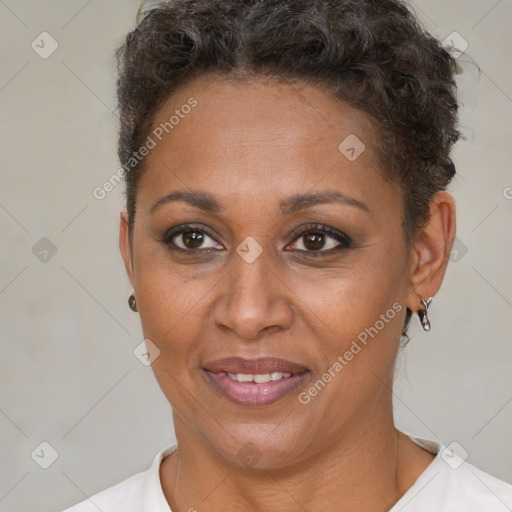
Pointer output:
x,y
369,468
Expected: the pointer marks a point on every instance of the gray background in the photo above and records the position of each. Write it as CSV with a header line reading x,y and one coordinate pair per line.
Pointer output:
x,y
69,376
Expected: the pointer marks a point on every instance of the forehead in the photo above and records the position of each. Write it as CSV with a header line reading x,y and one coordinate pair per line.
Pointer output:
x,y
260,139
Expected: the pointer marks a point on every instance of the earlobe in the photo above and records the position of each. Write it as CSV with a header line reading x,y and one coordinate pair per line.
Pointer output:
x,y
124,244
431,251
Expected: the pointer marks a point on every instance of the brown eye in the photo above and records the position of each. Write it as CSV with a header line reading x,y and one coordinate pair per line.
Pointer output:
x,y
190,239
321,239
313,241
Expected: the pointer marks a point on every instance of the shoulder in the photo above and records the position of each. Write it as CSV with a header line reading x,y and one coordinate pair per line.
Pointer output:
x,y
125,496
451,483
480,490
455,489
142,491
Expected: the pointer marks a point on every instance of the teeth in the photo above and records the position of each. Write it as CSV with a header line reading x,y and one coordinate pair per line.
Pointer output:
x,y
244,377
279,375
259,378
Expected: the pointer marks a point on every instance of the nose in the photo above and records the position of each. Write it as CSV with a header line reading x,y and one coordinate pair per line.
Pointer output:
x,y
253,298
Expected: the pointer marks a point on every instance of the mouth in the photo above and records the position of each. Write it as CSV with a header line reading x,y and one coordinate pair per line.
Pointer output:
x,y
255,381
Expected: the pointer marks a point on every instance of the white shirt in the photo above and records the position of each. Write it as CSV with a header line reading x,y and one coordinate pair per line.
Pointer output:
x,y
448,484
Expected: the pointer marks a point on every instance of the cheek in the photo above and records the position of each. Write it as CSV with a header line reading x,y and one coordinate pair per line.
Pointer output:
x,y
351,298
169,303
166,292
171,311
357,313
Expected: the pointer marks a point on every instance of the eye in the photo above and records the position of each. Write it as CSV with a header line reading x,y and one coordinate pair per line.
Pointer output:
x,y
313,238
321,239
190,239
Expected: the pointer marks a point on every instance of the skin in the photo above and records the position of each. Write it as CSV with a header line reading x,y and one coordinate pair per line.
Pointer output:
x,y
251,145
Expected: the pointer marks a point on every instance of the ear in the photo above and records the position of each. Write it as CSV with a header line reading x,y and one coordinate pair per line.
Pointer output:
x,y
431,251
124,244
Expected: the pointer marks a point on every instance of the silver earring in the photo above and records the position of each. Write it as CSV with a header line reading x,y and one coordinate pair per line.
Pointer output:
x,y
422,314
132,303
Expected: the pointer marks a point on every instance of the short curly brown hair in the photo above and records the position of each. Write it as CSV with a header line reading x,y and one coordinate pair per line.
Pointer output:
x,y
373,54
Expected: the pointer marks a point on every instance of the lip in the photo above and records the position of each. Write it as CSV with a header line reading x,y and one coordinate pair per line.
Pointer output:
x,y
252,393
260,365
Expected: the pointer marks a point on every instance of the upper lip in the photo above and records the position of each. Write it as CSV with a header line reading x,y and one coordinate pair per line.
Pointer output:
x,y
254,366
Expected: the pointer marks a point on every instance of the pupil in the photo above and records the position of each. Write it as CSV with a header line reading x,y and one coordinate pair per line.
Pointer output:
x,y
314,241
192,239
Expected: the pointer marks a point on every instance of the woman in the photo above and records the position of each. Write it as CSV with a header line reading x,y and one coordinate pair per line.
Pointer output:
x,y
286,166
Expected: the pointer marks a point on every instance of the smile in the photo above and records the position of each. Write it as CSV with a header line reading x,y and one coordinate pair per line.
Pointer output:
x,y
259,378
256,389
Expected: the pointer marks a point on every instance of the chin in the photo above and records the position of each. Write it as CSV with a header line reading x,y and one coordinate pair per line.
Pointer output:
x,y
260,446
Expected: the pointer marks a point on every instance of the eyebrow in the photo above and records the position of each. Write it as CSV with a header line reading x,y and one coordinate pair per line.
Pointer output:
x,y
299,202
292,204
196,198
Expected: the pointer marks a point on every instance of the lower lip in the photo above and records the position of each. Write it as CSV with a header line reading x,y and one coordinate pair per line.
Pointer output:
x,y
252,393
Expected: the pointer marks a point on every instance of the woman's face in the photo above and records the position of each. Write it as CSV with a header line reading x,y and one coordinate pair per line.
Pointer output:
x,y
292,248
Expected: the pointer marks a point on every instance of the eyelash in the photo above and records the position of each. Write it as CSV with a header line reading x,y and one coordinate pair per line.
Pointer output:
x,y
343,239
